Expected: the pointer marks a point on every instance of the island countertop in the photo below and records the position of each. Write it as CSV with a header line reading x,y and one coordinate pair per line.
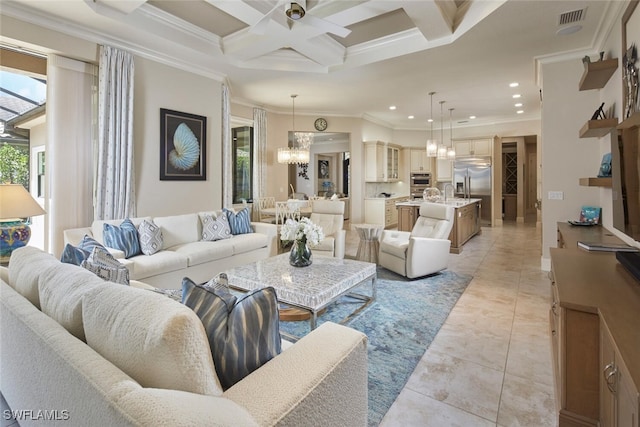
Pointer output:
x,y
455,202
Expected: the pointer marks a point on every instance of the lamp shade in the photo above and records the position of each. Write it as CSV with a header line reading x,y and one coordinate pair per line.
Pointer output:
x,y
16,202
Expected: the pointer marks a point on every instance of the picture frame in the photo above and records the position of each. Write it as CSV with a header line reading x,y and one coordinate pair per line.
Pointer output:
x,y
323,169
183,146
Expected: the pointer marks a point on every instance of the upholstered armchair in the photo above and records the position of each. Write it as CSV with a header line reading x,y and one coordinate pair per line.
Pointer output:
x,y
329,214
424,250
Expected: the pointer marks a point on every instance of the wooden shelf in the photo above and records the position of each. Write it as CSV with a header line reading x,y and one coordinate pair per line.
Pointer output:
x,y
597,74
595,182
633,121
598,128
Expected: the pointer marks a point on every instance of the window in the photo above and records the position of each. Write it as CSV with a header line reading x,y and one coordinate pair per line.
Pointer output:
x,y
242,138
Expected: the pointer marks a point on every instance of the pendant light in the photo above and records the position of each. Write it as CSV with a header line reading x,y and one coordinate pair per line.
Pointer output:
x,y
442,149
299,152
451,152
432,144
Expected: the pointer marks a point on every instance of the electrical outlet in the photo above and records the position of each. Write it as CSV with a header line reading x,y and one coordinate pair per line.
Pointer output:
x,y
556,195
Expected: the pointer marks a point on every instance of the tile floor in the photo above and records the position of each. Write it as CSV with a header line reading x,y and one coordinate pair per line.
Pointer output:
x,y
490,364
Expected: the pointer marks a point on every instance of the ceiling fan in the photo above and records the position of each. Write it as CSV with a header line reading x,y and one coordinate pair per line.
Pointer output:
x,y
297,12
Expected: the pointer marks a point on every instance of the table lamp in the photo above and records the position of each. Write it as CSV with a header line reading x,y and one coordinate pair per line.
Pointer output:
x,y
16,204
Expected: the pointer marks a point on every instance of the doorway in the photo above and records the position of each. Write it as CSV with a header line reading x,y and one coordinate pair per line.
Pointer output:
x,y
520,179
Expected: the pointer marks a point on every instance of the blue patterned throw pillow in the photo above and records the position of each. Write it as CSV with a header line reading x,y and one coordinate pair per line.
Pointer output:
x,y
74,255
243,334
240,222
124,237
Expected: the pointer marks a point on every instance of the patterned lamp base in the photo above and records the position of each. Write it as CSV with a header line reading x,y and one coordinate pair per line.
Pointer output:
x,y
13,235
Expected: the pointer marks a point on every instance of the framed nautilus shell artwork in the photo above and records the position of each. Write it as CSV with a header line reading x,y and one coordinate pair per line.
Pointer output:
x,y
182,146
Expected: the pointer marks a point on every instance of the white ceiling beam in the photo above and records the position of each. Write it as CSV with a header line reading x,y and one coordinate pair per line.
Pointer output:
x,y
239,10
434,20
323,49
124,6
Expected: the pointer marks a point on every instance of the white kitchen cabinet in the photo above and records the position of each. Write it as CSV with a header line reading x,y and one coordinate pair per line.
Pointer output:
x,y
419,162
382,211
382,162
473,147
444,170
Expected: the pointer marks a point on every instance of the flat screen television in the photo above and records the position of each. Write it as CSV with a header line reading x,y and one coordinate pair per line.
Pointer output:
x,y
625,174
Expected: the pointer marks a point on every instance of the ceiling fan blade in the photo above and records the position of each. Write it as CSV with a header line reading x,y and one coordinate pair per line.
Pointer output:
x,y
325,25
261,26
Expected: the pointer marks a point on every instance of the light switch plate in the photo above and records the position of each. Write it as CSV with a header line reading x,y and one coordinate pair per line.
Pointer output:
x,y
556,195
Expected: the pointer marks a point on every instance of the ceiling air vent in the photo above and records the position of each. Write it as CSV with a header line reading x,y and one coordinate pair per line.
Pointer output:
x,y
572,17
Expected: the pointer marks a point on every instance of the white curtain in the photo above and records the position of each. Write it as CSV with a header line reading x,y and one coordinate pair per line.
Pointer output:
x,y
115,178
227,151
259,152
71,101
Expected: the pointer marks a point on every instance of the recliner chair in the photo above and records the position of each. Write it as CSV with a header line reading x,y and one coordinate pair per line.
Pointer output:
x,y
424,250
329,214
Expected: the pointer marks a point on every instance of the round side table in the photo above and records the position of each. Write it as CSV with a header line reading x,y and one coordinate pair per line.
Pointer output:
x,y
369,242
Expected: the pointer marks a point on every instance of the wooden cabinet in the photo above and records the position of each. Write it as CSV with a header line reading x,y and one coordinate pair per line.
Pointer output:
x,y
444,170
594,332
473,147
407,216
382,162
466,222
465,226
619,399
419,162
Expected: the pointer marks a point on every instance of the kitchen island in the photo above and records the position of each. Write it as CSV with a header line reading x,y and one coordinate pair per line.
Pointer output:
x,y
466,219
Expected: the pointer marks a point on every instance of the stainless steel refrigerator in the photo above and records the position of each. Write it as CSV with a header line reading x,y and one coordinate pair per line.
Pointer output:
x,y
472,178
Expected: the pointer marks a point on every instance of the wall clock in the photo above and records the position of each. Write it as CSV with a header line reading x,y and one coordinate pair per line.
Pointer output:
x,y
320,124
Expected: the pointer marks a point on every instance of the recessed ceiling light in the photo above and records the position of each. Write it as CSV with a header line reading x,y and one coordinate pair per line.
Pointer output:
x,y
410,117
518,104
569,30
514,84
430,120
393,107
520,111
472,117
517,95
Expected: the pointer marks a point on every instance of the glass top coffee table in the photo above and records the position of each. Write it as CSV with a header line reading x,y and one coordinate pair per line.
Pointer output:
x,y
310,288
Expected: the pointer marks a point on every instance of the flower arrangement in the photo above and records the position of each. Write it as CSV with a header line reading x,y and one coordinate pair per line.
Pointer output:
x,y
303,231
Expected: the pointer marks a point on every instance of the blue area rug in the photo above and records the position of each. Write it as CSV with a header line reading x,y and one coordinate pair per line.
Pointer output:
x,y
400,325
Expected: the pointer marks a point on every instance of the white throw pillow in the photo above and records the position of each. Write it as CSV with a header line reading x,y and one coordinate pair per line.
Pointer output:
x,y
150,236
104,265
215,228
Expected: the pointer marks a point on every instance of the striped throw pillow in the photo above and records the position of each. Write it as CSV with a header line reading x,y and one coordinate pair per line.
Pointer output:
x,y
240,222
124,237
243,334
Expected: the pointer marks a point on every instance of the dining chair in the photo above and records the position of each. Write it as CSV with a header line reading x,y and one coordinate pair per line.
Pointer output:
x,y
266,203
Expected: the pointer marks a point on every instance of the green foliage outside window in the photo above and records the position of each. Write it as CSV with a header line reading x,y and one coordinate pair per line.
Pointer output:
x,y
14,165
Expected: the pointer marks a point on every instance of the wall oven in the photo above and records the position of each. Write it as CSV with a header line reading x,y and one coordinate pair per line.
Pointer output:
x,y
419,182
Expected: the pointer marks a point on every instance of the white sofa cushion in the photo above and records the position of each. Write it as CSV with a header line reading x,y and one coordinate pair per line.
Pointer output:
x,y
97,227
248,242
23,276
142,266
201,252
61,289
179,229
157,341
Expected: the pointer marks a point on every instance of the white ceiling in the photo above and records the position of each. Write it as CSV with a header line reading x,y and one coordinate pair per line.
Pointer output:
x,y
467,51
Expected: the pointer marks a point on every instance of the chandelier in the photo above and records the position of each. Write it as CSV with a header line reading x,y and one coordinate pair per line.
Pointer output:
x,y
432,144
298,153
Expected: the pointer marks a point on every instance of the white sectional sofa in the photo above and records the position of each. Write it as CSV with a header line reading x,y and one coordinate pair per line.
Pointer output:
x,y
146,360
183,253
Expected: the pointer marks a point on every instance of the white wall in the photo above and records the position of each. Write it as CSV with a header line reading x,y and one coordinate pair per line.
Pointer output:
x,y
159,86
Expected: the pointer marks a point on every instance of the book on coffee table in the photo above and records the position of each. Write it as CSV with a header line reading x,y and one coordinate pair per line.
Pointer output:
x,y
606,247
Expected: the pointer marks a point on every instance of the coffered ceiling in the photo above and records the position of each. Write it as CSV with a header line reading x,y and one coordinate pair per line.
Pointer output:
x,y
350,57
